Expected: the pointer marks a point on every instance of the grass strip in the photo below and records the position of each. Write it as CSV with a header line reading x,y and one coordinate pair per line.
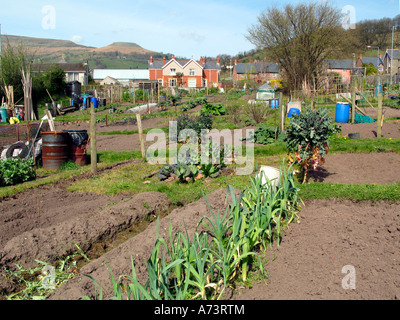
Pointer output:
x,y
357,192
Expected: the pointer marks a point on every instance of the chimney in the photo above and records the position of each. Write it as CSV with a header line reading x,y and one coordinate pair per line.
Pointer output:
x,y
218,60
151,59
235,62
163,61
360,55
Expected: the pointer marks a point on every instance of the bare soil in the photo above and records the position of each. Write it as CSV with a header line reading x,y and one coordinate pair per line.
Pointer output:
x,y
310,263
46,223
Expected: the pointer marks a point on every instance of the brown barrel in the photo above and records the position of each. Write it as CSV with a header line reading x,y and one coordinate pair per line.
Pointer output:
x,y
54,149
78,154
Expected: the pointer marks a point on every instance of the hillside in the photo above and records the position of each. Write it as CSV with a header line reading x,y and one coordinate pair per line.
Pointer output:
x,y
115,55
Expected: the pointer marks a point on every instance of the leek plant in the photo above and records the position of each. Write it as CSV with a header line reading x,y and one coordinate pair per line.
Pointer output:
x,y
203,265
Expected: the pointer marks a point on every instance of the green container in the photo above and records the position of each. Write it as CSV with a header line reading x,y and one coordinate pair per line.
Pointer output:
x,y
4,115
378,89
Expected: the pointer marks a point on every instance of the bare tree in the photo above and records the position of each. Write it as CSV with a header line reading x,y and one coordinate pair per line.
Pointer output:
x,y
300,38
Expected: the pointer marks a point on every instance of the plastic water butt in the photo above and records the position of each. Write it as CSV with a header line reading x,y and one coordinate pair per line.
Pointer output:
x,y
271,173
342,114
4,115
95,102
274,104
293,111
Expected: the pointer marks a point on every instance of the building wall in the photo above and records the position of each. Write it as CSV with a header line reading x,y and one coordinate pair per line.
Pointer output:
x,y
211,76
344,73
193,65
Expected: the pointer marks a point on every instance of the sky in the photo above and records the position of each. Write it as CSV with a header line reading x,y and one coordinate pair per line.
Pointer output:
x,y
189,28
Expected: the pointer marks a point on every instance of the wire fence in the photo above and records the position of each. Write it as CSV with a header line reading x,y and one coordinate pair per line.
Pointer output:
x,y
20,132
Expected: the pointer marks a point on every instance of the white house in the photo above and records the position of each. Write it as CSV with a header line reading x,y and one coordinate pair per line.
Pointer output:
x,y
121,76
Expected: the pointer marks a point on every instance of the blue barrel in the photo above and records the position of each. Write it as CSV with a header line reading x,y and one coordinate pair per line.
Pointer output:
x,y
4,115
274,104
293,111
84,103
342,112
95,102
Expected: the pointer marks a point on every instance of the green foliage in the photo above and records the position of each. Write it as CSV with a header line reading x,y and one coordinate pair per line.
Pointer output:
x,y
204,121
189,167
194,103
263,135
234,94
34,280
216,110
393,103
13,171
13,59
307,137
370,69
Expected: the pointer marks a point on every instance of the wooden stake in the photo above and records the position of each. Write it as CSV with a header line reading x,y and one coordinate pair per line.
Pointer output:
x,y
379,120
139,122
93,146
353,102
51,121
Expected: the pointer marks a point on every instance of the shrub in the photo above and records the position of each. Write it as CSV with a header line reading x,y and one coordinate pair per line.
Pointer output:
x,y
256,111
204,121
263,135
13,171
216,110
307,138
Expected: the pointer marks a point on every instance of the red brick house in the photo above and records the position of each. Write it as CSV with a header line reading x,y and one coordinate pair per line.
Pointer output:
x,y
258,71
186,73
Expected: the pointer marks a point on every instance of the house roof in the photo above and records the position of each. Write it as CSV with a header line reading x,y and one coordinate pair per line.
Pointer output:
x,y
121,74
374,61
257,67
110,78
394,52
208,65
339,64
67,67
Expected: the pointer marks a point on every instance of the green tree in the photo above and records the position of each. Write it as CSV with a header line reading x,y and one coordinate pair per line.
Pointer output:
x,y
14,58
370,69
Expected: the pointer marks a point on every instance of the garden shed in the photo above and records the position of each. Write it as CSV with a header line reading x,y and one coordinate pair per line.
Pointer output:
x,y
265,92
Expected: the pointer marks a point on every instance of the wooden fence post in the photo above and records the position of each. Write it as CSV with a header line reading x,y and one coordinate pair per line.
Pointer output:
x,y
353,99
139,122
93,146
379,120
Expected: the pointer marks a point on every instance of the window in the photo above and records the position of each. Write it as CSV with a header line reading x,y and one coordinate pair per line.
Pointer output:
x,y
172,82
160,82
204,83
73,76
191,72
173,72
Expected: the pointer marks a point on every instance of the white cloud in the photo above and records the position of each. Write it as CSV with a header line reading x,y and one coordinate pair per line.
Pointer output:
x,y
192,35
76,39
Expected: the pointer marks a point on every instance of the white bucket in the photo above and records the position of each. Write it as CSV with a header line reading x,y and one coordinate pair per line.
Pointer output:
x,y
271,173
